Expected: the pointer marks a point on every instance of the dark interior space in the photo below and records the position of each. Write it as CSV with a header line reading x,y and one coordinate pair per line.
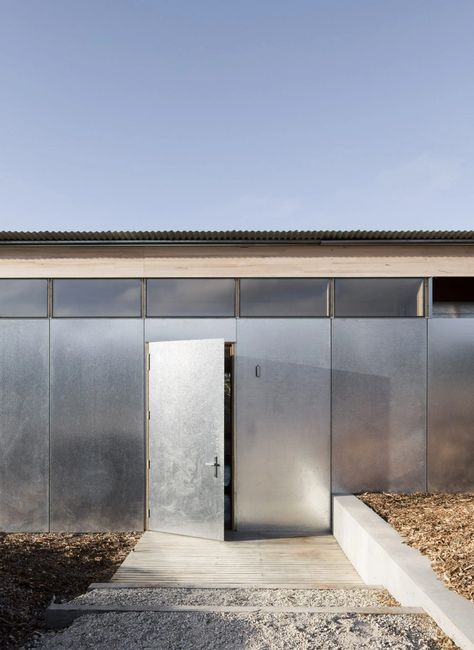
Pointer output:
x,y
453,297
228,437
453,289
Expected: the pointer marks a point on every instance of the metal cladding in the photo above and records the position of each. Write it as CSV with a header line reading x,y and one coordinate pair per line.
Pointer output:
x,y
24,425
451,404
186,401
97,424
181,329
283,425
378,405
72,415
236,236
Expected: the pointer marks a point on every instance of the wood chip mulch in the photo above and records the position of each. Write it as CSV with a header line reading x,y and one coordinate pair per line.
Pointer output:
x,y
34,567
441,526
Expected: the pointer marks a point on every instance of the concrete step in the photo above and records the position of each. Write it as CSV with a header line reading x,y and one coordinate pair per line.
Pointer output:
x,y
62,615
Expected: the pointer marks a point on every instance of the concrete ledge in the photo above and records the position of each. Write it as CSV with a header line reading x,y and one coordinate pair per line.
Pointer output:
x,y
380,556
59,616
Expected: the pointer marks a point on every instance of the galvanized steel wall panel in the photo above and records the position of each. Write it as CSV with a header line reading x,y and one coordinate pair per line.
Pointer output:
x,y
97,424
451,404
181,329
186,430
378,405
283,425
24,425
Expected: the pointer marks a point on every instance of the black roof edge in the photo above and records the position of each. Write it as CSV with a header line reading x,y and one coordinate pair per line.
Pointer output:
x,y
236,237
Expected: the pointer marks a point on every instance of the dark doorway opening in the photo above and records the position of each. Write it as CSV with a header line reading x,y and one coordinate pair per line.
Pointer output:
x,y
229,437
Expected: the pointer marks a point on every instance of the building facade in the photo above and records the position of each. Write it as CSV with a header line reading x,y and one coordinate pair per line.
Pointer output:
x,y
190,381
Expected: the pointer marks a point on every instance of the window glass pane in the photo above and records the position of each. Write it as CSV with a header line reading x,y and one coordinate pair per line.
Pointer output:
x,y
453,297
384,297
190,297
283,297
97,298
23,298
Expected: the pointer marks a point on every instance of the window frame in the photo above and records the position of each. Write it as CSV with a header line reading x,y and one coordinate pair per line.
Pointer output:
x,y
46,315
140,280
421,301
328,295
236,307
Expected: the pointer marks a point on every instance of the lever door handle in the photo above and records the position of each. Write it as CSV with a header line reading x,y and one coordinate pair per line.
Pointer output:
x,y
215,464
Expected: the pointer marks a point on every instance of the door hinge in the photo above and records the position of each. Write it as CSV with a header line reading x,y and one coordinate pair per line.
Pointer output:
x,y
149,362
149,415
149,513
149,464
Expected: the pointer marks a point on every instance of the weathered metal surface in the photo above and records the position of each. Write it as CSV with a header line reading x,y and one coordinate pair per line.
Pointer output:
x,y
283,425
186,329
451,404
378,405
186,435
24,425
97,425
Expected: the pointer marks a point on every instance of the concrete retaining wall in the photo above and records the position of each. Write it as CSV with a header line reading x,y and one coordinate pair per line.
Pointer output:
x,y
381,557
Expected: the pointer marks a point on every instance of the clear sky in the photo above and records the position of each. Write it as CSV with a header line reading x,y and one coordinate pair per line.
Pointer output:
x,y
265,114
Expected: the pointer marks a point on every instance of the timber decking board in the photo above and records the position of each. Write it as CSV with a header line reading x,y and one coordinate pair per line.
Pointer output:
x,y
161,558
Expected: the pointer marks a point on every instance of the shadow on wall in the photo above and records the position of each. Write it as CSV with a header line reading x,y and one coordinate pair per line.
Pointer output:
x,y
361,440
96,482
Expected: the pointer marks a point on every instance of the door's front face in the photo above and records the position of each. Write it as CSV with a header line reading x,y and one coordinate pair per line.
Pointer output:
x,y
186,438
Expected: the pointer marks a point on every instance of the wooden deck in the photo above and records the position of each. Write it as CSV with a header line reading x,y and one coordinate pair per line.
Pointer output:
x,y
171,560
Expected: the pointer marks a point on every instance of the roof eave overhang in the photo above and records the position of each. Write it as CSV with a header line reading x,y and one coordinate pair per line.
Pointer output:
x,y
241,242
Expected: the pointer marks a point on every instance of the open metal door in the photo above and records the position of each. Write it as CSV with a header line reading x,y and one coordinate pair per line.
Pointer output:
x,y
186,437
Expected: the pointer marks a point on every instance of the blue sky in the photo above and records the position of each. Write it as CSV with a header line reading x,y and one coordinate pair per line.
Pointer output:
x,y
264,114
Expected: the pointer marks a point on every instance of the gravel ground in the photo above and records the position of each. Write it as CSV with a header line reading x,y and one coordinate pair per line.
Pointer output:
x,y
254,631
264,597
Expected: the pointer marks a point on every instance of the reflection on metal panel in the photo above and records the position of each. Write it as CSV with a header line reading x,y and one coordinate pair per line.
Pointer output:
x,y
186,401
24,425
283,425
451,404
97,425
378,405
181,329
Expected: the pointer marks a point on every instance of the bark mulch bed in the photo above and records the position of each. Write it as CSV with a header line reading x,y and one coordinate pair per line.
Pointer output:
x,y
34,567
441,526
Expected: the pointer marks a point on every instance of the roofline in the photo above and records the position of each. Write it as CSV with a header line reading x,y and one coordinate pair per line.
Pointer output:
x,y
237,242
235,237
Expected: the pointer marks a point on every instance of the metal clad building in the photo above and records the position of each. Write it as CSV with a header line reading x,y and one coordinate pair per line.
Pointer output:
x,y
195,381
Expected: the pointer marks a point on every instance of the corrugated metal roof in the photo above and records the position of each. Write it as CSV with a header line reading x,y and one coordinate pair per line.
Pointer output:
x,y
237,236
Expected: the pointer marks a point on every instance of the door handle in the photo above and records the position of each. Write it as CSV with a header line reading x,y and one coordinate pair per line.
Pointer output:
x,y
215,464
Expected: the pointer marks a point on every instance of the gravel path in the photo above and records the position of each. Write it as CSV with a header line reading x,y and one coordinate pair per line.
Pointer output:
x,y
254,631
223,596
